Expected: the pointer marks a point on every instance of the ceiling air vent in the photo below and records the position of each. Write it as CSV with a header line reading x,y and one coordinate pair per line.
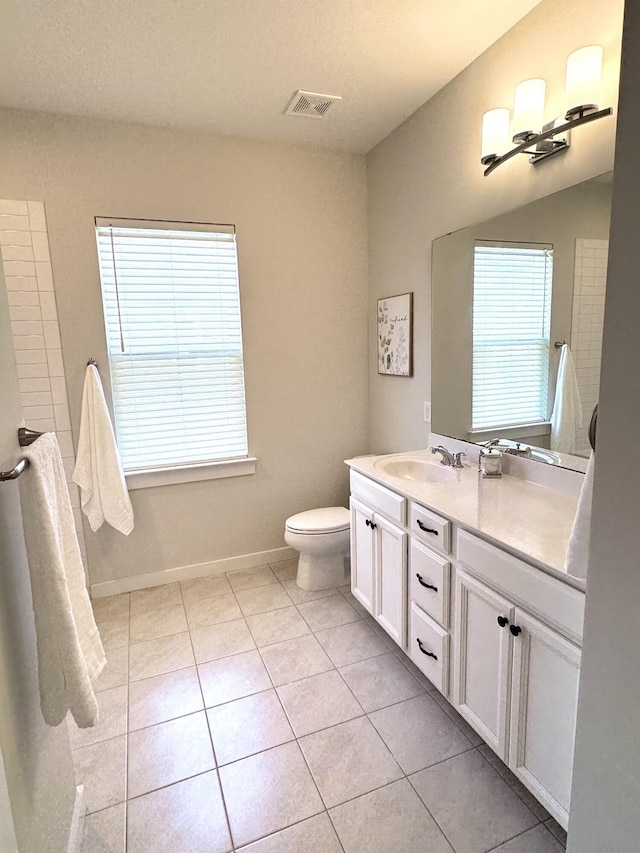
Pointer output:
x,y
310,104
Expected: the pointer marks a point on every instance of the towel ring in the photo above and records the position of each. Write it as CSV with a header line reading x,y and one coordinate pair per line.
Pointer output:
x,y
593,426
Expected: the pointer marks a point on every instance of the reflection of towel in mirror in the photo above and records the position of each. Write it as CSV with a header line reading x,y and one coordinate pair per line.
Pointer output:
x,y
566,417
577,560
98,471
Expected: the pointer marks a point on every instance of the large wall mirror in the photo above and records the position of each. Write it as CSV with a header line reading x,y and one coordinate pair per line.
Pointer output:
x,y
505,292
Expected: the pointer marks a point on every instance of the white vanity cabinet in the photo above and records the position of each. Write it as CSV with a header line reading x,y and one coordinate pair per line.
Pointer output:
x,y
516,675
379,555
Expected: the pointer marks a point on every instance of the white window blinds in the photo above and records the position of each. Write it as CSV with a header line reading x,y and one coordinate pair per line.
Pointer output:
x,y
511,320
172,315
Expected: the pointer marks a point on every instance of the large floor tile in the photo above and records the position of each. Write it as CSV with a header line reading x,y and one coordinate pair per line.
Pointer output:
x,y
351,642
247,726
299,596
112,719
168,752
285,570
198,589
349,760
188,816
461,723
212,611
419,733
314,835
409,665
556,830
353,601
389,820
164,697
114,633
104,832
165,654
295,659
233,677
111,607
539,810
267,792
157,623
155,598
102,769
328,612
318,702
380,681
218,641
250,578
472,804
536,840
116,670
277,626
262,599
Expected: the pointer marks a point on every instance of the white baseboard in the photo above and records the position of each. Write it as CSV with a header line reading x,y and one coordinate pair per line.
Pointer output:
x,y
197,570
76,831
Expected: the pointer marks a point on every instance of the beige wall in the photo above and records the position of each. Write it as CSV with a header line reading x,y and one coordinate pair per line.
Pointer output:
x,y
426,180
581,211
301,222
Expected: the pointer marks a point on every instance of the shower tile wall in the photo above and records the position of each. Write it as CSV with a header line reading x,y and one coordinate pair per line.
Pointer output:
x,y
589,282
36,335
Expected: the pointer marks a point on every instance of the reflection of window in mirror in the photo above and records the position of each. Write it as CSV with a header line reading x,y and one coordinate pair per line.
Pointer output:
x,y
511,328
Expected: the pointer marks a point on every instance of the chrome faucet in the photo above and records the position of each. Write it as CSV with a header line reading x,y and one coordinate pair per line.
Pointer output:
x,y
454,460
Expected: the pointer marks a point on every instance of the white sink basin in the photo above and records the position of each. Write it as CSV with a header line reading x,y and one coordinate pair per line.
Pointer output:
x,y
418,470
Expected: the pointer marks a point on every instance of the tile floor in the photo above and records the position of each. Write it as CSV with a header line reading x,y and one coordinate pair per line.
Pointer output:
x,y
239,712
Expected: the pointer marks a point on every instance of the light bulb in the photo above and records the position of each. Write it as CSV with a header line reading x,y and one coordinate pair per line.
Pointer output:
x,y
495,134
528,109
584,72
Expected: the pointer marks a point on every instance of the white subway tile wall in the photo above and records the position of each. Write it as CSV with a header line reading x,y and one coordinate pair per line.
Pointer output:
x,y
24,243
589,283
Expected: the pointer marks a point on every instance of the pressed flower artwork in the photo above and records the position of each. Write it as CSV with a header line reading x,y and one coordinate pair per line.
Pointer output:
x,y
394,335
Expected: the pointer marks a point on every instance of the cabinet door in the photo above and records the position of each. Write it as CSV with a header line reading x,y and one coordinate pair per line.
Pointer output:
x,y
482,660
391,577
546,672
362,554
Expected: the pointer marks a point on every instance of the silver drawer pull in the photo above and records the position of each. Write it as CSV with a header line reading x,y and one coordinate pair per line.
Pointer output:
x,y
425,584
424,651
426,529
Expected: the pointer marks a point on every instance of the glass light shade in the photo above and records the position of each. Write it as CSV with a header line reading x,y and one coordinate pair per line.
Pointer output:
x,y
584,72
495,134
528,109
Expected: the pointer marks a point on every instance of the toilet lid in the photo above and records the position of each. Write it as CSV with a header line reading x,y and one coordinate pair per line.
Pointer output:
x,y
329,519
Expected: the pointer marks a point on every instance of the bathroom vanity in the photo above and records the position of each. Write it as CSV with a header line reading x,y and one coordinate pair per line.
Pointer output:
x,y
467,576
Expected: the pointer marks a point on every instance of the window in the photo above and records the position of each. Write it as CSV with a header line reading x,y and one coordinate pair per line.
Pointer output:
x,y
172,315
511,321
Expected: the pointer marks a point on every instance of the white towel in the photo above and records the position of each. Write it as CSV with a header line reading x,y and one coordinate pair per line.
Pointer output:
x,y
577,559
70,653
566,417
98,471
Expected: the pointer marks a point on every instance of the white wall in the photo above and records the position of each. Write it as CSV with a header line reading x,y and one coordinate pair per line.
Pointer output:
x,y
426,180
301,222
605,814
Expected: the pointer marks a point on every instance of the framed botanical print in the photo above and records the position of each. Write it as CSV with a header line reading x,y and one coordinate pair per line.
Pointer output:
x,y
395,328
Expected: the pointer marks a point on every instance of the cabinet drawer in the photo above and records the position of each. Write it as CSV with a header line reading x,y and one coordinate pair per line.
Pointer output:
x,y
429,648
428,570
430,528
557,603
378,497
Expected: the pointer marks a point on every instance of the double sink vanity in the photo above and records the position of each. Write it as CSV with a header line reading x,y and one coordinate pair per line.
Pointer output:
x,y
467,575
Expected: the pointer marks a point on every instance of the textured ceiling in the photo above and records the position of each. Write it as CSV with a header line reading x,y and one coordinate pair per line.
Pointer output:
x,y
230,66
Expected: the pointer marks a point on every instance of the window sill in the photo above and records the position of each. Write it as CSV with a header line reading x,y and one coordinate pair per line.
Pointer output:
x,y
521,431
190,473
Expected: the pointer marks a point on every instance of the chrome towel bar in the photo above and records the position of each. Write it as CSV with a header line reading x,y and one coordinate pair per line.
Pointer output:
x,y
15,472
25,438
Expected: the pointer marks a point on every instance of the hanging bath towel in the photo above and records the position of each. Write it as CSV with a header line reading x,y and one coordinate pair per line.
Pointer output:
x,y
70,653
98,471
566,417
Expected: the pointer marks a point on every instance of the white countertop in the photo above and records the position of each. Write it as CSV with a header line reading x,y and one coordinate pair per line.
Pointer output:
x,y
529,520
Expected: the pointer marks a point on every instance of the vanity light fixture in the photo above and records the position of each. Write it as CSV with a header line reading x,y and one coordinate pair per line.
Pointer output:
x,y
532,137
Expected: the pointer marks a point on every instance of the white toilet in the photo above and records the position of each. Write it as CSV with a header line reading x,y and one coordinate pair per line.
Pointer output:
x,y
322,538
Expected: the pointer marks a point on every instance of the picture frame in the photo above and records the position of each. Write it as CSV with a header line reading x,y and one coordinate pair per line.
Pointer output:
x,y
395,335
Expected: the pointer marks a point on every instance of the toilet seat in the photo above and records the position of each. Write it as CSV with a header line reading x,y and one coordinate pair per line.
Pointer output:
x,y
331,519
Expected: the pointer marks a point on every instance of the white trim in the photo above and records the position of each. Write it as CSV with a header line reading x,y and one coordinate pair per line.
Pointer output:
x,y
190,473
197,570
76,832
